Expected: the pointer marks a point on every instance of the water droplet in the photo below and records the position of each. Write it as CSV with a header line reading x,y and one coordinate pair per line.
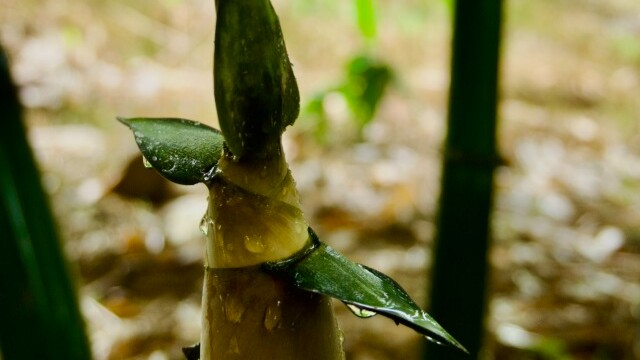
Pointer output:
x,y
233,309
264,172
360,312
233,346
204,224
434,340
341,337
254,244
210,174
146,163
272,316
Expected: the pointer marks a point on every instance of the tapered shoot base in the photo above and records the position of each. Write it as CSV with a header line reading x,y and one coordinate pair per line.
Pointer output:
x,y
251,315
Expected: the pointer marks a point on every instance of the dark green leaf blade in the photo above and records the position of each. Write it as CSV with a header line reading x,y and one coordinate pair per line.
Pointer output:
x,y
323,270
183,151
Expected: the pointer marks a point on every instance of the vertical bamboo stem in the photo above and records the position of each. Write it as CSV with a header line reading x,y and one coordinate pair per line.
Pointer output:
x,y
462,240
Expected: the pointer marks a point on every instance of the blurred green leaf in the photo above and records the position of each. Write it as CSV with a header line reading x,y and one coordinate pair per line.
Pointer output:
x,y
450,6
316,118
365,10
366,81
366,291
183,151
39,316
551,349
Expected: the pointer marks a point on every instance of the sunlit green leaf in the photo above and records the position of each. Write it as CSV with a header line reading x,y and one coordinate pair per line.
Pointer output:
x,y
183,151
366,291
365,10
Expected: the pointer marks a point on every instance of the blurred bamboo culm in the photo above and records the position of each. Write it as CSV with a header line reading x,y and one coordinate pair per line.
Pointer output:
x,y
39,316
458,291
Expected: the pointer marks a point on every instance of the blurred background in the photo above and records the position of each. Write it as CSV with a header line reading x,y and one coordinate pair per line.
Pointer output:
x,y
566,226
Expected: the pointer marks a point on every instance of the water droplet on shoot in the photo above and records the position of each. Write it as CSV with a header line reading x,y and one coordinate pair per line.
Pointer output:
x,y
264,172
254,244
434,340
146,163
204,224
360,312
272,316
233,309
233,346
210,174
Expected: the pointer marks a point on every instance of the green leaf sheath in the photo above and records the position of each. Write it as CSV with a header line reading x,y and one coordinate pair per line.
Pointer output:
x,y
183,151
323,270
256,92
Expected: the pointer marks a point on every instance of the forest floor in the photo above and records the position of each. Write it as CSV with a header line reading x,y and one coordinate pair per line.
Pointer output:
x,y
566,225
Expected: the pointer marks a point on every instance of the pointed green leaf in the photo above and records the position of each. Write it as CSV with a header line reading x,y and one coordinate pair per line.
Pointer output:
x,y
183,151
256,92
366,291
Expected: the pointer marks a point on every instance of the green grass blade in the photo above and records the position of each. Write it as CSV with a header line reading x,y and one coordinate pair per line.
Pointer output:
x,y
39,316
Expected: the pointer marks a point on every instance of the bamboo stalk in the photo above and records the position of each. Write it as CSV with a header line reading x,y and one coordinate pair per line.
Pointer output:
x,y
458,292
